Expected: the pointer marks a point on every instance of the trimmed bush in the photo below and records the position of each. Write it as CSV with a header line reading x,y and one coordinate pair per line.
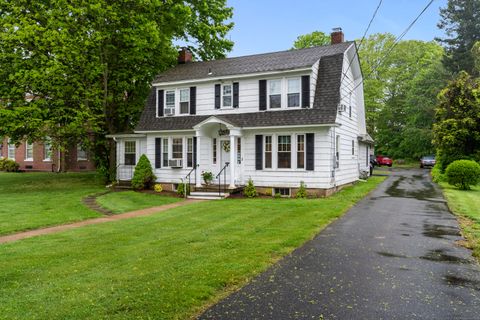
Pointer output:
x,y
181,189
250,190
437,175
143,177
463,174
302,191
8,165
158,188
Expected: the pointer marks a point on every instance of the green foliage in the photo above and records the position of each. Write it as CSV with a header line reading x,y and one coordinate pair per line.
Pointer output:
x,y
8,165
89,64
302,191
181,189
460,20
125,201
143,177
250,191
456,133
277,195
314,39
207,176
476,57
463,174
400,93
437,175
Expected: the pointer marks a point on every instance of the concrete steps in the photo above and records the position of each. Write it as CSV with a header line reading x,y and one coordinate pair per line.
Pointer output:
x,y
207,195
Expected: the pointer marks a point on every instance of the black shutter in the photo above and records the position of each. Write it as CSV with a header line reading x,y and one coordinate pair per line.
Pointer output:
x,y
160,103
193,100
262,94
158,152
194,151
305,91
217,96
310,151
235,94
258,152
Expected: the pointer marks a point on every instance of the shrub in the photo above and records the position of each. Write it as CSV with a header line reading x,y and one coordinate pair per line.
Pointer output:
x,y
158,188
463,174
277,195
250,190
143,177
8,165
181,189
207,177
302,191
437,175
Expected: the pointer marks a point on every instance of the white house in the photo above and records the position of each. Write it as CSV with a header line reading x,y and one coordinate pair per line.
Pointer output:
x,y
278,118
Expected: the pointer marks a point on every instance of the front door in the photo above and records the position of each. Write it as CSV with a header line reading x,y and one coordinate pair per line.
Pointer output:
x,y
224,158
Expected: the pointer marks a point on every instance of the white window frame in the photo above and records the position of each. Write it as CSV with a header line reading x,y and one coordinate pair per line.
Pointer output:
x,y
28,149
125,151
272,159
304,150
182,146
281,81
292,153
167,153
80,150
11,148
180,101
214,150
189,139
166,105
299,79
224,95
239,150
47,152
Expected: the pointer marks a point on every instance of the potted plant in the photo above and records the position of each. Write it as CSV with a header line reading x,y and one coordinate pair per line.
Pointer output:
x,y
207,177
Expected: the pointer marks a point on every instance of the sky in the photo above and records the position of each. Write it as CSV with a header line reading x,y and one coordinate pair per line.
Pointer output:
x,y
273,25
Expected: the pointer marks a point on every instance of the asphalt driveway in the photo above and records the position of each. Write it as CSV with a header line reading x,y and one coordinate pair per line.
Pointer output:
x,y
392,256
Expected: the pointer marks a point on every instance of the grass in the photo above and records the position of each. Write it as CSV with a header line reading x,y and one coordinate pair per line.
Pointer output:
x,y
119,202
466,205
34,200
165,266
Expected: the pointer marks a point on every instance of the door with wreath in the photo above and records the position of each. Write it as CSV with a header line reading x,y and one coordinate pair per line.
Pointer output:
x,y
224,158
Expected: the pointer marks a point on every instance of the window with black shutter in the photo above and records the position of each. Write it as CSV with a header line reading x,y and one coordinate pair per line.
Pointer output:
x,y
217,96
160,103
235,94
193,100
305,91
262,94
158,152
310,148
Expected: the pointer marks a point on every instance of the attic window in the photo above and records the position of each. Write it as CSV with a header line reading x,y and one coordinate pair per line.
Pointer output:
x,y
293,95
275,94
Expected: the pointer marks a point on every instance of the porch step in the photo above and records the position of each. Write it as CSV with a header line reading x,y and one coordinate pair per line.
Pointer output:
x,y
207,195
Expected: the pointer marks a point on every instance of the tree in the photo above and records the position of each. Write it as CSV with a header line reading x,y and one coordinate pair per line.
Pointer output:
x,y
88,66
461,22
143,176
316,38
457,129
400,88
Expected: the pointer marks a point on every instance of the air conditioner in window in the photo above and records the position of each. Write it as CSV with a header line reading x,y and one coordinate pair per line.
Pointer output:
x,y
169,111
175,163
342,108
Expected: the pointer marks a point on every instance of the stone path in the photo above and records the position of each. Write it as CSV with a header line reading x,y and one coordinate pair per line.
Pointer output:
x,y
122,216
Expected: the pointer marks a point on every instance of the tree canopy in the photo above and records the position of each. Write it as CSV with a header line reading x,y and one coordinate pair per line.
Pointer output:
x,y
313,39
86,67
461,21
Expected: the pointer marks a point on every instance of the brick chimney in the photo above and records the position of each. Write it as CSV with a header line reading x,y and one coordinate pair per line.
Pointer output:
x,y
337,36
185,56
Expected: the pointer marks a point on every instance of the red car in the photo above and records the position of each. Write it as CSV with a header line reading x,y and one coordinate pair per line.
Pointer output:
x,y
384,161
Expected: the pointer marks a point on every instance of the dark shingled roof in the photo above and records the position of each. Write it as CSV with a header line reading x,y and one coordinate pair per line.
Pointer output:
x,y
265,62
324,111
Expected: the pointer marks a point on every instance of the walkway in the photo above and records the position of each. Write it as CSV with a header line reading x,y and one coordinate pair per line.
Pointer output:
x,y
392,256
122,216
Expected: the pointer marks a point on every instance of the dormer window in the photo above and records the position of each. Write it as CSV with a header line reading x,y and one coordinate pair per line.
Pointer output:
x,y
227,96
170,102
184,101
293,95
275,94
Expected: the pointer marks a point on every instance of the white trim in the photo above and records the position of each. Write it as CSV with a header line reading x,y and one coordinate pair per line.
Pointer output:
x,y
127,135
144,132
230,77
214,119
296,126
27,145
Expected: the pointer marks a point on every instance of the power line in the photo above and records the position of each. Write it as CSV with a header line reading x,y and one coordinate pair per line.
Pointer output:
x,y
397,40
363,38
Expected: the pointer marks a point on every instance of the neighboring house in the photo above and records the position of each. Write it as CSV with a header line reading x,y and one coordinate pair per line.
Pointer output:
x,y
277,118
39,156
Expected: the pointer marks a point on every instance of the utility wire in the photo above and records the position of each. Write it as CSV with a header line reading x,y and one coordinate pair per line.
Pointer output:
x,y
363,38
397,40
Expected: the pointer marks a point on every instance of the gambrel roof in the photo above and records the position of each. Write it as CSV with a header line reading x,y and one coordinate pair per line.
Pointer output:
x,y
326,99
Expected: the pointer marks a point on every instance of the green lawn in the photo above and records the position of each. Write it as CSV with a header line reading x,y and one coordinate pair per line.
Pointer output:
x,y
119,202
466,204
164,266
33,200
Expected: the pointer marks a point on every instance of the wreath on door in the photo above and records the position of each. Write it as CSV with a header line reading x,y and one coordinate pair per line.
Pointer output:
x,y
226,146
